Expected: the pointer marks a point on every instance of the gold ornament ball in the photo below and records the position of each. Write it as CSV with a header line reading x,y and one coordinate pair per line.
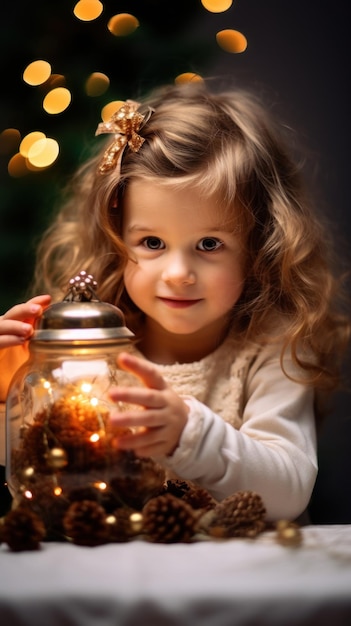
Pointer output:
x,y
57,458
28,473
288,533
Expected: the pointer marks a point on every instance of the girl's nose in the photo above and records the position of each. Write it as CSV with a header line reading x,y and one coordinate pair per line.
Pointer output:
x,y
178,271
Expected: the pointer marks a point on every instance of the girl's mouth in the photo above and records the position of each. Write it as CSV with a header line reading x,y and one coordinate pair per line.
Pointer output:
x,y
177,303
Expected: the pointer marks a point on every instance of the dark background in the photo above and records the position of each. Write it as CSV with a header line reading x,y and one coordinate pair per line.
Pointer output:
x,y
296,58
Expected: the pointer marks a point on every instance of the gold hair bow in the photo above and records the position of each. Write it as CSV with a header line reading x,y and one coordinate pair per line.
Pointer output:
x,y
124,124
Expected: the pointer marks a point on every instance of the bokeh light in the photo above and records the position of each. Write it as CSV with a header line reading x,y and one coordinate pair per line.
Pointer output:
x,y
29,140
109,109
88,10
37,73
17,166
55,80
9,140
217,6
56,97
57,100
122,24
43,152
97,84
34,168
231,41
188,77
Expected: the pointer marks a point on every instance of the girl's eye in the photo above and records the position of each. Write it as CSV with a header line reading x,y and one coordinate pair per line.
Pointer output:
x,y
209,244
153,243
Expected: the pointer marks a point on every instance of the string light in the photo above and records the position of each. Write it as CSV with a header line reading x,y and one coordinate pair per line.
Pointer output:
x,y
86,387
101,485
94,437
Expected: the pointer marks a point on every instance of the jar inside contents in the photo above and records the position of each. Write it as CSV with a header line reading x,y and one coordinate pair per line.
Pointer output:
x,y
62,445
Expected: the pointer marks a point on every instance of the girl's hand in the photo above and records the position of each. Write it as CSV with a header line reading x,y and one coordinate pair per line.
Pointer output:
x,y
164,414
16,326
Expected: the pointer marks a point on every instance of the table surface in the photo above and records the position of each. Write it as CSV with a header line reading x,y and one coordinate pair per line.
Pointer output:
x,y
208,583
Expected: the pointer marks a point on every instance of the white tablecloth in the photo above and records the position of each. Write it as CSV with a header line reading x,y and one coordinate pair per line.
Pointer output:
x,y
209,583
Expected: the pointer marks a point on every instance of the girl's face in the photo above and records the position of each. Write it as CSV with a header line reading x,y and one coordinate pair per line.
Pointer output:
x,y
186,267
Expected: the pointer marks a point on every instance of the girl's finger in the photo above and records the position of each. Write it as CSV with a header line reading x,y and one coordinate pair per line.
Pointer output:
x,y
148,419
143,369
143,396
145,442
27,310
14,333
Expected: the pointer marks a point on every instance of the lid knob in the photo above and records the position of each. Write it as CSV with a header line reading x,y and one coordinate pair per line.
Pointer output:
x,y
81,318
82,288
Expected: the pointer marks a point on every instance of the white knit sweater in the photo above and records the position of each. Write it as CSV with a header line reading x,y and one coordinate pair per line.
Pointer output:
x,y
249,427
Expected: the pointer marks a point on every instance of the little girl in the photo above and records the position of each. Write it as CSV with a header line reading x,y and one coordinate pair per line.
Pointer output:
x,y
193,220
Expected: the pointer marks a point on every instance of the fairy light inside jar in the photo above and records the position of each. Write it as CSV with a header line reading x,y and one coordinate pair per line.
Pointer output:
x,y
62,445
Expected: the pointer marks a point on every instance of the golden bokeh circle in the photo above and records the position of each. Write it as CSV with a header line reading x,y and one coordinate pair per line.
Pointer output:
x,y
122,24
57,100
37,73
217,6
231,41
188,77
109,109
17,166
28,141
9,140
97,84
55,80
43,152
88,10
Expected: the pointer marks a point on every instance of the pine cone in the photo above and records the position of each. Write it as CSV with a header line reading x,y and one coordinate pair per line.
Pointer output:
x,y
239,515
85,523
48,504
136,479
105,498
32,450
196,497
23,530
167,519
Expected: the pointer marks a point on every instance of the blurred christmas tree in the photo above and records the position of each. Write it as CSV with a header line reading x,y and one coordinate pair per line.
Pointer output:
x,y
168,40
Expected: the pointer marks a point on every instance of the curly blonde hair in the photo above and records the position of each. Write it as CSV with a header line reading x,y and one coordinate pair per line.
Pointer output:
x,y
226,144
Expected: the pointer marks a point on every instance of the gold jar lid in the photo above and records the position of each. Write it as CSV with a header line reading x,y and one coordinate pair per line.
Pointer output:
x,y
81,318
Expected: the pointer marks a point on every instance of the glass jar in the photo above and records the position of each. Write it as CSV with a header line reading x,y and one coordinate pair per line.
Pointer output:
x,y
61,445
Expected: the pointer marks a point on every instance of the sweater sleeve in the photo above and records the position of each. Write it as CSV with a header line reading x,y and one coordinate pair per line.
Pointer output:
x,y
273,453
